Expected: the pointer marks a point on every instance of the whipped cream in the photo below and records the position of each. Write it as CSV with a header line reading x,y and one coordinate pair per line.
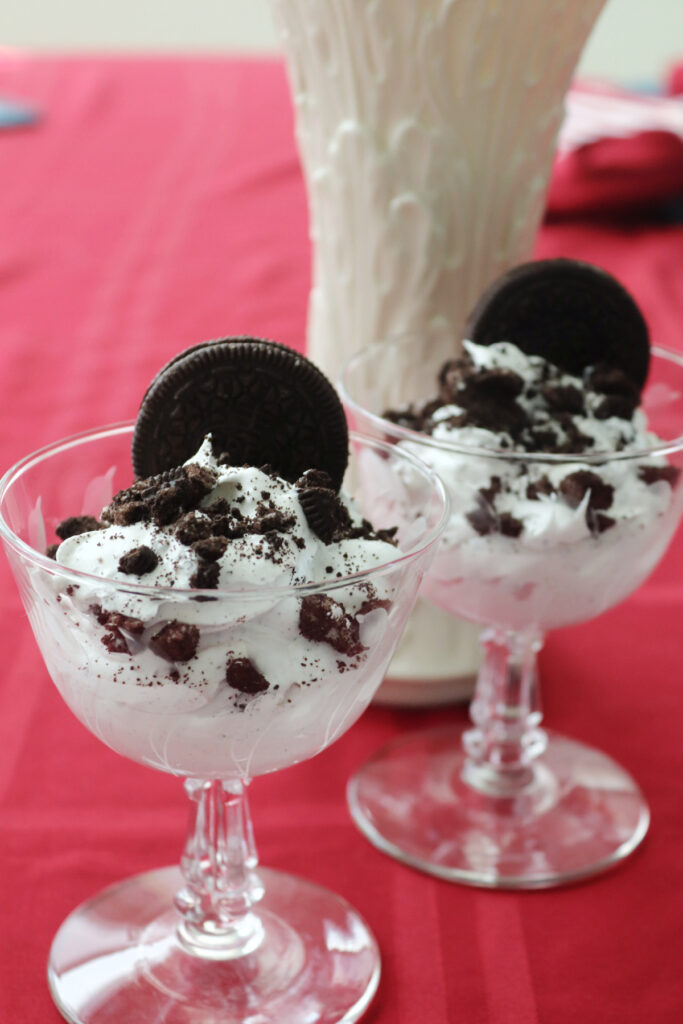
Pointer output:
x,y
559,511
223,669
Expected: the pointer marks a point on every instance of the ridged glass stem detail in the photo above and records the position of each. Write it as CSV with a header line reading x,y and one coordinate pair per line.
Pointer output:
x,y
506,714
218,920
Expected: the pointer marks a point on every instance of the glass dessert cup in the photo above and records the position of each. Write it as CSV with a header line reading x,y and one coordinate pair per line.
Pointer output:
x,y
217,938
503,803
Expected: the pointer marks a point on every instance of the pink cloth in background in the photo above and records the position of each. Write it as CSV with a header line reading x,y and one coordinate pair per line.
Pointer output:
x,y
617,176
634,165
158,203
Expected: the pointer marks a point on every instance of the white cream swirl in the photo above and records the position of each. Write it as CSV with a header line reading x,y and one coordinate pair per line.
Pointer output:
x,y
313,655
524,545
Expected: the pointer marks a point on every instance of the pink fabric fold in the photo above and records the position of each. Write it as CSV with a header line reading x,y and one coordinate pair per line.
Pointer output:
x,y
620,153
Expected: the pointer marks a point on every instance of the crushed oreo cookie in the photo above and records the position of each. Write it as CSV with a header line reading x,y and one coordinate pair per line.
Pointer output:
x,y
116,626
575,486
210,548
528,416
482,519
241,674
160,498
485,519
656,474
206,576
537,489
325,620
73,526
326,515
598,522
138,561
176,641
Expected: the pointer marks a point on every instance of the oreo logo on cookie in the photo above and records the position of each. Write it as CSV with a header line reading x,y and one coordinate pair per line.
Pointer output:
x,y
261,401
573,314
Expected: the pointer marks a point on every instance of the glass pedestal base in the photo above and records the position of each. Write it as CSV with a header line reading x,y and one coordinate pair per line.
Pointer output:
x,y
117,958
580,814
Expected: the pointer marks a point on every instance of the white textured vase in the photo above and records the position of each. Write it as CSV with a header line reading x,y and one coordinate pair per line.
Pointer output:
x,y
427,131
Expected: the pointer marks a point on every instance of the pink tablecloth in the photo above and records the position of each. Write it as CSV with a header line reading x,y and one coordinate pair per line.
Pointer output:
x,y
159,203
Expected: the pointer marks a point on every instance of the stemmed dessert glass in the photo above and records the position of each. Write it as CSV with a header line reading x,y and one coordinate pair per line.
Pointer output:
x,y
219,938
502,802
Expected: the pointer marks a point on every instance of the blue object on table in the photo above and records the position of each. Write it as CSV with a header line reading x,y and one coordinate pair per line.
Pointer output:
x,y
14,114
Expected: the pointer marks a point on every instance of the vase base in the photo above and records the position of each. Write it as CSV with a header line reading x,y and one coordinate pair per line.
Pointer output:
x,y
425,693
436,661
580,815
117,958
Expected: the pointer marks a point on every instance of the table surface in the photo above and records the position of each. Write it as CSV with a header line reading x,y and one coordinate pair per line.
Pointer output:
x,y
160,202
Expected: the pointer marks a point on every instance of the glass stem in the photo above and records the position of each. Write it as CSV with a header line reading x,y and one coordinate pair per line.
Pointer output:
x,y
506,737
216,904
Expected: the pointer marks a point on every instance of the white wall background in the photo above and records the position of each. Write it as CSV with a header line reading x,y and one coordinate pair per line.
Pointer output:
x,y
634,41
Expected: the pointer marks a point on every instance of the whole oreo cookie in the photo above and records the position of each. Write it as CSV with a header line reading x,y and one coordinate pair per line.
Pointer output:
x,y
573,314
262,403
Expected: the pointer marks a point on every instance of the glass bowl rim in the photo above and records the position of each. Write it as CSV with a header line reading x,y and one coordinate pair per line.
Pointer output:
x,y
254,593
399,433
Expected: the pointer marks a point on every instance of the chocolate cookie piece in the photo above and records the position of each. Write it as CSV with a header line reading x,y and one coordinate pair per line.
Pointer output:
x,y
176,641
210,548
261,401
241,674
160,497
326,621
138,561
573,314
325,513
116,625
73,526
655,474
205,577
575,486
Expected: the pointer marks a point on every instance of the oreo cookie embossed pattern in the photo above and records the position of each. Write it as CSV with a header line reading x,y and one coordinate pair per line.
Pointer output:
x,y
260,401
